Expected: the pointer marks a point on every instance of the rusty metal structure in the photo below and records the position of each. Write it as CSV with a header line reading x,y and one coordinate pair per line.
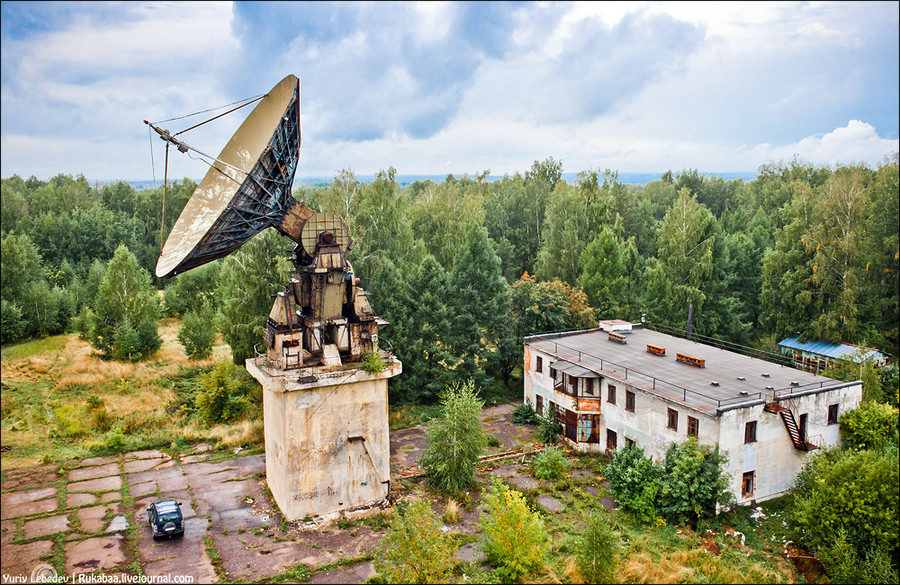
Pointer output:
x,y
326,427
322,316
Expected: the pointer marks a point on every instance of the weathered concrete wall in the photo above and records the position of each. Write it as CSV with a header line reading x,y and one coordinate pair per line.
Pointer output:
x,y
327,443
773,456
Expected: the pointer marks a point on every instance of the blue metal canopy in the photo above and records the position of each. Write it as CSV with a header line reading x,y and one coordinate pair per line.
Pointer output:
x,y
841,351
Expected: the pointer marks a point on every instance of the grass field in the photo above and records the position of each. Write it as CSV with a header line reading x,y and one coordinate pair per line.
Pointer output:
x,y
62,402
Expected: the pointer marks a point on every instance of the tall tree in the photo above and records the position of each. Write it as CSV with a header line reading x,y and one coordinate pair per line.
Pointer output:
x,y
686,251
603,274
126,303
835,239
480,304
248,279
883,255
566,232
443,215
382,225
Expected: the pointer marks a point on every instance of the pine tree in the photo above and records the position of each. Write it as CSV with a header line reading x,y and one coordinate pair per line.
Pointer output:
x,y
455,439
480,303
248,279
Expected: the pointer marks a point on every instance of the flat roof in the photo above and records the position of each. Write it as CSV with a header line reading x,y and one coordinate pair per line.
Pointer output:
x,y
728,380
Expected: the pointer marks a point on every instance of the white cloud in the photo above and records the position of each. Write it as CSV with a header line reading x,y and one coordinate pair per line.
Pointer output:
x,y
857,142
459,87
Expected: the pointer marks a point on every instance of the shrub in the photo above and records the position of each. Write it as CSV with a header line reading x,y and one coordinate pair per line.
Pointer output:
x,y
548,427
415,550
223,394
847,497
871,426
455,439
127,343
694,482
597,550
81,323
12,327
514,538
524,414
197,335
372,363
634,481
550,464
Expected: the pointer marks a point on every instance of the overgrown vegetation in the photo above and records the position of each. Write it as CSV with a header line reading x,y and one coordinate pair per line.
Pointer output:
x,y
415,549
60,402
513,536
845,507
455,439
548,427
873,425
524,414
550,464
688,486
597,552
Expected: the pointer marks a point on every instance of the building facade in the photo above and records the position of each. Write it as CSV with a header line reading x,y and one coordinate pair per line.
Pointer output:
x,y
623,384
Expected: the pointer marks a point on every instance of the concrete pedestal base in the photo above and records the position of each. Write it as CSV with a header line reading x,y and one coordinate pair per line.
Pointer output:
x,y
327,443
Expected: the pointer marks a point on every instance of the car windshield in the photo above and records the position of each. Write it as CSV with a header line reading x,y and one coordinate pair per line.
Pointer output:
x,y
168,517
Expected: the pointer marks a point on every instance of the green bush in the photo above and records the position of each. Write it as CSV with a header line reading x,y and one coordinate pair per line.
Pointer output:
x,y
694,482
847,498
197,335
870,426
12,327
372,363
81,323
223,394
455,439
514,538
597,550
634,482
415,549
550,464
524,414
548,427
127,343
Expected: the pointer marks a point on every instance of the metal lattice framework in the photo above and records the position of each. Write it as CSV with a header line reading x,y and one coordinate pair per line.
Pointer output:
x,y
248,202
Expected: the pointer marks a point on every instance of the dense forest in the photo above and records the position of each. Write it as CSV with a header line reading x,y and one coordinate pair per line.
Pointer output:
x,y
464,268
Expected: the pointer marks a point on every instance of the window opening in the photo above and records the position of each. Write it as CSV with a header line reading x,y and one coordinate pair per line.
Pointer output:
x,y
750,432
673,419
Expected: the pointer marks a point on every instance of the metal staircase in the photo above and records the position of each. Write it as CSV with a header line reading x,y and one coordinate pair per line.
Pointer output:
x,y
790,424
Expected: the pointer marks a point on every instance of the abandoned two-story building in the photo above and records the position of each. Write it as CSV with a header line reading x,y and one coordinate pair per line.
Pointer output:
x,y
623,383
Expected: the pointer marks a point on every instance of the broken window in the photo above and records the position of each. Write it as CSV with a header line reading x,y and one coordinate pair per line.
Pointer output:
x,y
589,386
833,414
693,427
748,484
629,401
611,394
673,419
750,432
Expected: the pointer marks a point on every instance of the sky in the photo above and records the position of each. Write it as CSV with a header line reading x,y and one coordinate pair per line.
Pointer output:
x,y
454,87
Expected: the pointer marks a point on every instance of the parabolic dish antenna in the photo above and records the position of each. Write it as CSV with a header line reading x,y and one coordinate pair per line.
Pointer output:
x,y
247,188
